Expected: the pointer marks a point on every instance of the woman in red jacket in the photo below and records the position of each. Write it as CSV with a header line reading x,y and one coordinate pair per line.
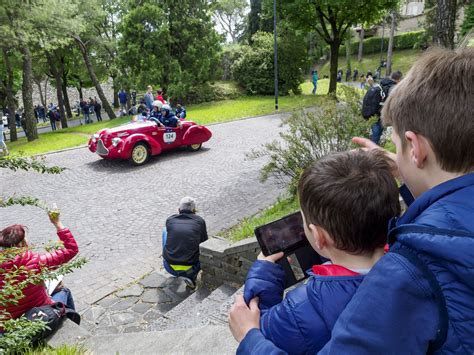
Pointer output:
x,y
36,295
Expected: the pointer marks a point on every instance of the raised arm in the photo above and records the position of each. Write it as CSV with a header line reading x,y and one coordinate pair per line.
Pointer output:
x,y
59,256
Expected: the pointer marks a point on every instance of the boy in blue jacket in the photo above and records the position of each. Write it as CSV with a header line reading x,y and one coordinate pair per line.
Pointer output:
x,y
419,298
346,201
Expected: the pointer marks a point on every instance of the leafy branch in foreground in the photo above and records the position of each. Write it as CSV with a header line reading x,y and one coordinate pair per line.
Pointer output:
x,y
15,162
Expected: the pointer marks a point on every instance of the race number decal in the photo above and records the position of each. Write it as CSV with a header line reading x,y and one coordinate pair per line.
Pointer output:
x,y
169,137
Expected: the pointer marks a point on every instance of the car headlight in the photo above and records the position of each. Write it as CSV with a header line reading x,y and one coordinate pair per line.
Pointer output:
x,y
94,138
116,141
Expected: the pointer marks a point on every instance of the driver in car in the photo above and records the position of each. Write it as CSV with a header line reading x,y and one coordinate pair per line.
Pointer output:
x,y
168,119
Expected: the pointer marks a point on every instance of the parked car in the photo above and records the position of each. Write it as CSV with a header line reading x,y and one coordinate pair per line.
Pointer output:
x,y
138,141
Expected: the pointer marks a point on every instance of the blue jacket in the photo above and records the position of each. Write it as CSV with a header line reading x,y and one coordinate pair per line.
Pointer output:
x,y
302,322
169,121
122,95
398,314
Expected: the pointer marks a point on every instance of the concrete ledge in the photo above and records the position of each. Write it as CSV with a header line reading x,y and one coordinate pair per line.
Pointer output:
x,y
68,333
222,261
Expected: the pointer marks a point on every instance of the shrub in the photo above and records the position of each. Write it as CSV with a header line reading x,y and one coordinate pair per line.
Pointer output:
x,y
311,135
407,40
254,71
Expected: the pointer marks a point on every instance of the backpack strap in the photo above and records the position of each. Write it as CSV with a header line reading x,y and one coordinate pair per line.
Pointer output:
x,y
440,301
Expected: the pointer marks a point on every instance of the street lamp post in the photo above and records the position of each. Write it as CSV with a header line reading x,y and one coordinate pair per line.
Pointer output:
x,y
275,51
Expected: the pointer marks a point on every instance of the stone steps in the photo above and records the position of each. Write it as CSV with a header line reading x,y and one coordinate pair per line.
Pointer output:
x,y
195,311
200,340
195,325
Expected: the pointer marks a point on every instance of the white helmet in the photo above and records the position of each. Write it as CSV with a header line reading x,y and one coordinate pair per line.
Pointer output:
x,y
157,103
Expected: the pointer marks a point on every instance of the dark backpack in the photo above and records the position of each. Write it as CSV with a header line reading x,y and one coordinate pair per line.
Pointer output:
x,y
372,100
53,315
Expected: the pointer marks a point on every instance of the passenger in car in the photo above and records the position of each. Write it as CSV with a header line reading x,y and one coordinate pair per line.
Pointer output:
x,y
168,119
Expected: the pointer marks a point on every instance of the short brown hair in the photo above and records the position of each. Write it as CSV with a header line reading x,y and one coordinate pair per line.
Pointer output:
x,y
12,236
352,195
435,100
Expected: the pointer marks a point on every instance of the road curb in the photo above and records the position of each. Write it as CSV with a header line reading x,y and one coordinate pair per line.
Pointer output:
x,y
60,151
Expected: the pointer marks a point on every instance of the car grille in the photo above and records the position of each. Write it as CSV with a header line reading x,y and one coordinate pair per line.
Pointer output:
x,y
101,150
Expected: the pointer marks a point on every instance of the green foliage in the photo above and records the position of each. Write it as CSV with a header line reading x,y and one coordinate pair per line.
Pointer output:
x,y
230,54
407,40
245,228
171,44
254,70
468,22
18,335
311,135
15,162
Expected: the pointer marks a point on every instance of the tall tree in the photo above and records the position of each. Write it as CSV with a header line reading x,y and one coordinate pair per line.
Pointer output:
x,y
361,44
393,26
16,32
440,22
254,18
230,14
332,18
446,14
9,87
183,49
56,71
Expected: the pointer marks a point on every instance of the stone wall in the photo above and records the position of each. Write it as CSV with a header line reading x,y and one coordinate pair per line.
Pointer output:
x,y
222,261
71,91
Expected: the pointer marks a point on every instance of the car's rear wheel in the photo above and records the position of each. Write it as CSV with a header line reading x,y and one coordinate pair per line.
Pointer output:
x,y
195,147
140,154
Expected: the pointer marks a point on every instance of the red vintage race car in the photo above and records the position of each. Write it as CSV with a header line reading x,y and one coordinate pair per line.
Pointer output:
x,y
137,141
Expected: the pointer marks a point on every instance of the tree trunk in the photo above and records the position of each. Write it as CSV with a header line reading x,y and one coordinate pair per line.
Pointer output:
x,y
79,89
333,66
67,104
10,97
27,94
393,25
445,23
90,69
115,88
348,53
46,92
59,94
40,89
361,44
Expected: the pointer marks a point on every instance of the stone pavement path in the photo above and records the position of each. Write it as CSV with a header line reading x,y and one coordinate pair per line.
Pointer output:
x,y
135,307
117,211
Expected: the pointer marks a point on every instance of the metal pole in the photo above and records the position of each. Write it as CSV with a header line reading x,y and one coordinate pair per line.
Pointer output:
x,y
275,50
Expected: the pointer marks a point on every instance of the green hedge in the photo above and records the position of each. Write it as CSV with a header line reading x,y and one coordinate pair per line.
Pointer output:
x,y
407,40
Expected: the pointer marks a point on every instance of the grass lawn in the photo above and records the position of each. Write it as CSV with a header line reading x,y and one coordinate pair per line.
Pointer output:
x,y
402,60
244,229
205,113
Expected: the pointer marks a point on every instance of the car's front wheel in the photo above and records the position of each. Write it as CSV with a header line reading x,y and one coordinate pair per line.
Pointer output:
x,y
140,154
195,147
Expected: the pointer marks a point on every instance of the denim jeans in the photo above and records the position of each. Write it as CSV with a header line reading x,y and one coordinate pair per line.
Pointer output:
x,y
64,296
190,274
377,130
315,87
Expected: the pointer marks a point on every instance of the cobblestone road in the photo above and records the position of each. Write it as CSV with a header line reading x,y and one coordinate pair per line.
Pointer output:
x,y
116,211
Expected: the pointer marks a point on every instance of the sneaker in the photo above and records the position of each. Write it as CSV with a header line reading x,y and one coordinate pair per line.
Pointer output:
x,y
189,283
